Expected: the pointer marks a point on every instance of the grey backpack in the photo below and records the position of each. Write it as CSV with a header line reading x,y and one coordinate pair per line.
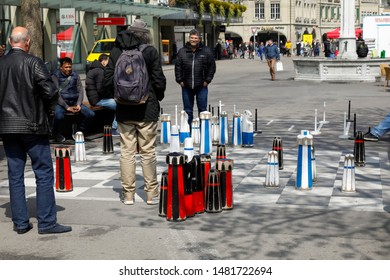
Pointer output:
x,y
131,78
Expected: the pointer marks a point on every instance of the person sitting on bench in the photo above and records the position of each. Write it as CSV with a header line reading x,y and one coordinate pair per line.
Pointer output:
x,y
71,93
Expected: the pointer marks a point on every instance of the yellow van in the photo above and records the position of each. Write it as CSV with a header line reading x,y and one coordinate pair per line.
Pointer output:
x,y
101,46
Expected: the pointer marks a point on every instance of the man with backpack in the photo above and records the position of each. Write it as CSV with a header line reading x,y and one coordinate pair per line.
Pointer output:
x,y
138,109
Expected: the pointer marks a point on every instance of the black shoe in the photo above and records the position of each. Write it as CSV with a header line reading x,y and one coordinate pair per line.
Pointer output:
x,y
370,137
56,229
23,230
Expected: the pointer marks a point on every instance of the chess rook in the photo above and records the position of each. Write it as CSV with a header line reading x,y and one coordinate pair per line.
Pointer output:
x,y
213,202
272,170
223,128
225,168
215,130
277,145
359,150
236,132
162,207
64,181
184,126
197,185
205,133
221,152
195,131
188,187
247,129
79,147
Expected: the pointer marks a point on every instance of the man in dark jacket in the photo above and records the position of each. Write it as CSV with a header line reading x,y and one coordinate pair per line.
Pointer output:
x,y
26,96
71,94
272,55
194,71
94,88
138,123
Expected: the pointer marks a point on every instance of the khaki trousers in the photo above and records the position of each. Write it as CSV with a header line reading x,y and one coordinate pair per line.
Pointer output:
x,y
144,134
272,64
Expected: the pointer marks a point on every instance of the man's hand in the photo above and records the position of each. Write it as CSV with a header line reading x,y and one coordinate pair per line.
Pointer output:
x,y
74,109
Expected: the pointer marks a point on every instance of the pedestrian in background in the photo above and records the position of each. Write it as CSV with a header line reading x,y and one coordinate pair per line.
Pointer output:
x,y
96,94
272,55
138,123
194,70
27,93
70,99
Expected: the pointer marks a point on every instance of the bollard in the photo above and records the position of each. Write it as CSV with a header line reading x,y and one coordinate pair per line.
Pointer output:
x,y
348,184
223,129
237,133
175,142
214,130
195,131
184,126
359,150
277,145
79,147
221,152
225,168
247,129
213,202
64,181
165,137
162,207
175,198
197,185
304,168
108,145
272,170
205,133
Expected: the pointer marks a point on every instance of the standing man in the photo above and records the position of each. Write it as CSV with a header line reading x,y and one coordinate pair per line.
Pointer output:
x,y
94,88
138,123
71,94
194,71
272,55
26,95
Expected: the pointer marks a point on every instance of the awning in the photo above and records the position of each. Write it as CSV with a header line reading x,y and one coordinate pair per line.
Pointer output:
x,y
65,35
335,34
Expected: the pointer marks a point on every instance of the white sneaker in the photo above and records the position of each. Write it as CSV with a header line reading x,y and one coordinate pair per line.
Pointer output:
x,y
128,199
128,202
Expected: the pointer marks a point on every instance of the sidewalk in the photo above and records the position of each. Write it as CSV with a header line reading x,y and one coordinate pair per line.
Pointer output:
x,y
272,224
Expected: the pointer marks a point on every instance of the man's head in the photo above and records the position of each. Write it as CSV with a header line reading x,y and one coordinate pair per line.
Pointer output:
x,y
194,38
20,38
103,58
66,66
140,29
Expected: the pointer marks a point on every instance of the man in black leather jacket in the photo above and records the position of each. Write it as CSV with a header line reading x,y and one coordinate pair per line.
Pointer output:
x,y
194,71
26,96
138,123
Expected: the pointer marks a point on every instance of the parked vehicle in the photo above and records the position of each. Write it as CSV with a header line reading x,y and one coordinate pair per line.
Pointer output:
x,y
101,46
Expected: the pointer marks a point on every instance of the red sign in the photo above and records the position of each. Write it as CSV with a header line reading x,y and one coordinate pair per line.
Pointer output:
x,y
111,21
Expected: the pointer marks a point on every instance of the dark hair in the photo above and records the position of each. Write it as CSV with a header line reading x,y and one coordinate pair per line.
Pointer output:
x,y
65,60
194,32
103,56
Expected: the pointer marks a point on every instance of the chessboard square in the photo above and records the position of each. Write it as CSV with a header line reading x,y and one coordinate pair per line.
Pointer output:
x,y
359,192
93,175
356,203
303,200
109,184
71,194
248,198
103,193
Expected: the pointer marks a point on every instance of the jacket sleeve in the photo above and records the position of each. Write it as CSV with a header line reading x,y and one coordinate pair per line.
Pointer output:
x,y
178,67
48,90
211,67
80,90
156,74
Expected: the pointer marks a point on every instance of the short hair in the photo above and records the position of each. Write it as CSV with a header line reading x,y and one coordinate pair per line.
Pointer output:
x,y
194,32
65,60
103,57
22,36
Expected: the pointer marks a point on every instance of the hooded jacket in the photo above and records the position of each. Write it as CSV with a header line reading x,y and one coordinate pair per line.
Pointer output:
x,y
27,93
194,68
149,111
94,84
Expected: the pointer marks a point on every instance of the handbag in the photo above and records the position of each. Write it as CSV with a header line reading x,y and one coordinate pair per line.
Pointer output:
x,y
279,66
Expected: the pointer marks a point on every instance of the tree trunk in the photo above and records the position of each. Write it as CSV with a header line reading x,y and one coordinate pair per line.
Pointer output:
x,y
31,18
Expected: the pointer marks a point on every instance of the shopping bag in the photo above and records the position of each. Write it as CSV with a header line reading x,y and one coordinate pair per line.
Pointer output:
x,y
279,66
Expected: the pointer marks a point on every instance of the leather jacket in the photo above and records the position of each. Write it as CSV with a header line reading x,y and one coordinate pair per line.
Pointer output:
x,y
194,68
27,93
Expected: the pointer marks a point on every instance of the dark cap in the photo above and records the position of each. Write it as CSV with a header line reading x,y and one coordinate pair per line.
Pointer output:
x,y
139,25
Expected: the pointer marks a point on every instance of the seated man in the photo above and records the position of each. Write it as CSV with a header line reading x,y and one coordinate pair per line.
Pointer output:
x,y
94,88
70,99
378,131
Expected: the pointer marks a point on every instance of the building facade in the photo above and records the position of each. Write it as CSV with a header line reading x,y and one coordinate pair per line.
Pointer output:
x,y
284,20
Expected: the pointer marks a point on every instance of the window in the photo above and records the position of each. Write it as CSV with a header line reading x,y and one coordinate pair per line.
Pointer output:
x,y
275,10
259,10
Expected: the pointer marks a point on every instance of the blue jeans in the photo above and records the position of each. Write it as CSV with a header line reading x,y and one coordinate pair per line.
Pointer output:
x,y
111,105
189,95
16,148
59,116
382,128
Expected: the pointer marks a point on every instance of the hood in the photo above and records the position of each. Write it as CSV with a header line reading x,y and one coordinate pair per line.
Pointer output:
x,y
96,64
126,40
